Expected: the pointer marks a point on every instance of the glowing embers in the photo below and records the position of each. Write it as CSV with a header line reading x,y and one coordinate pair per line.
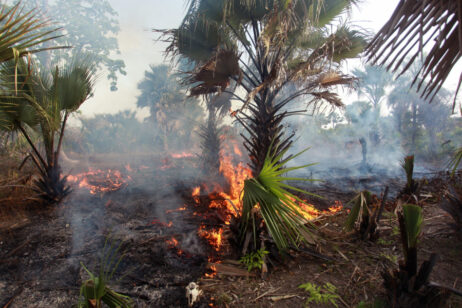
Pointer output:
x,y
100,181
173,244
211,270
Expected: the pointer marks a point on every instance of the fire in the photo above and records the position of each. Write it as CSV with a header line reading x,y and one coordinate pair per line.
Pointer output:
x,y
196,191
214,237
236,149
213,268
173,243
180,209
235,175
182,155
156,221
229,200
100,181
310,212
128,168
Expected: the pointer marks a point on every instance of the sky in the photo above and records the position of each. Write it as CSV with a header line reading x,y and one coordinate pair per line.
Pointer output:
x,y
139,48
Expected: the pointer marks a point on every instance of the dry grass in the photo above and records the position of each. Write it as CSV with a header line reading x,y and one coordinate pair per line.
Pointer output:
x,y
16,193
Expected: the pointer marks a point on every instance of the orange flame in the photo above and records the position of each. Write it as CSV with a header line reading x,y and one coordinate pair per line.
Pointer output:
x,y
196,191
99,181
182,155
213,237
213,268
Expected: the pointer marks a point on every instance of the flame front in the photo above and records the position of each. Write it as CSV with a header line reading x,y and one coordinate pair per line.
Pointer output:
x,y
100,181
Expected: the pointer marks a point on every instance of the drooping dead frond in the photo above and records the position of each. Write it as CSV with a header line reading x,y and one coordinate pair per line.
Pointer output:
x,y
331,98
333,78
214,76
417,23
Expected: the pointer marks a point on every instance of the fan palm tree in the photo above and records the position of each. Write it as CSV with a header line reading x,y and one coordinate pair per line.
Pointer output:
x,y
265,46
43,102
21,31
170,109
217,106
413,26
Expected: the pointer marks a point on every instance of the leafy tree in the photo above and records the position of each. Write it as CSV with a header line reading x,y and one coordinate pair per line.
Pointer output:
x,y
90,27
118,132
43,101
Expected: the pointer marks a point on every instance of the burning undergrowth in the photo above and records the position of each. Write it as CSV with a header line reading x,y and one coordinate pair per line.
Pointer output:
x,y
173,226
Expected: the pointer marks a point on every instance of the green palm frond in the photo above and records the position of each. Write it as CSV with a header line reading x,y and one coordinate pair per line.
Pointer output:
x,y
359,209
276,202
96,288
73,84
455,161
21,31
413,222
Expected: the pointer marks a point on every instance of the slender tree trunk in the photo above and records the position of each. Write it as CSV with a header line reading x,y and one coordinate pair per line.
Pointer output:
x,y
414,126
36,152
61,136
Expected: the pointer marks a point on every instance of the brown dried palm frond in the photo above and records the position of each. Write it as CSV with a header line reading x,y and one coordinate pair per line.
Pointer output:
x,y
333,78
214,76
330,97
417,23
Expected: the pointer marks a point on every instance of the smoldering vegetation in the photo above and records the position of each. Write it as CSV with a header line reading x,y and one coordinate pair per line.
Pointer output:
x,y
362,145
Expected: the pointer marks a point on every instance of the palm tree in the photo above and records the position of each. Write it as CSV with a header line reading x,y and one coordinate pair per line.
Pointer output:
x,y
372,82
414,25
413,113
266,46
21,31
174,114
217,107
43,101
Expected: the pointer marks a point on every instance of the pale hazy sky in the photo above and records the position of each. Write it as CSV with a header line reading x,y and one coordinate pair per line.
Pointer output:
x,y
139,49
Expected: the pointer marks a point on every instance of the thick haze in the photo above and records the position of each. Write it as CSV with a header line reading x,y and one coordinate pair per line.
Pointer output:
x,y
139,49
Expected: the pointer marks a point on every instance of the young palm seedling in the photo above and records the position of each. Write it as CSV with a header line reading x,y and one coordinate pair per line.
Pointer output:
x,y
365,214
412,186
96,291
270,197
409,286
455,161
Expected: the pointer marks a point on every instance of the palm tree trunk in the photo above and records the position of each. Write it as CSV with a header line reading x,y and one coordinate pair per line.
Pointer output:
x,y
414,126
36,152
61,135
266,131
211,142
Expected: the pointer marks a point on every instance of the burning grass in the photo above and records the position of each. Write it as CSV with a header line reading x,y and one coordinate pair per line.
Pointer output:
x,y
166,239
100,181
